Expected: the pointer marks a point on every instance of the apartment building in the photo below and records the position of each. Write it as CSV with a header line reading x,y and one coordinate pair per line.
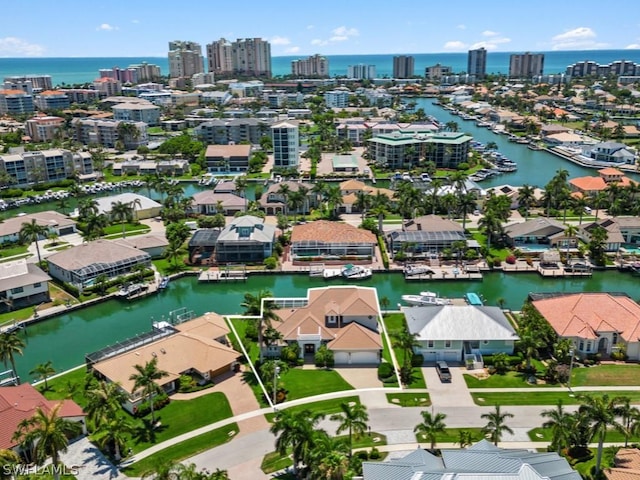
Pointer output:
x,y
251,57
437,71
28,168
107,86
52,100
237,130
185,59
15,102
137,112
124,75
403,66
477,62
220,57
83,95
227,158
361,72
589,68
43,128
286,149
526,65
108,133
38,82
313,66
337,98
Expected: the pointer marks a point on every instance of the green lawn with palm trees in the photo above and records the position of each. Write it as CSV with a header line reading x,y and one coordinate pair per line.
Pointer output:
x,y
308,383
400,340
542,398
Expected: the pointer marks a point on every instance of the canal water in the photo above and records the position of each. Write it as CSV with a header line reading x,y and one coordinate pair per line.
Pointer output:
x,y
66,339
535,167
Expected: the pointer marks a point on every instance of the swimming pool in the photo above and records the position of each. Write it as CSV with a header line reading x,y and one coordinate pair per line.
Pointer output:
x,y
473,298
631,249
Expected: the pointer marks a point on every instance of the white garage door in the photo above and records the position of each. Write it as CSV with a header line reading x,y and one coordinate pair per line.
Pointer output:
x,y
429,356
355,358
452,356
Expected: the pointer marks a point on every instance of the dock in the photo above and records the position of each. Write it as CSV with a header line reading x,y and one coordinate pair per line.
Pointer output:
x,y
440,273
222,276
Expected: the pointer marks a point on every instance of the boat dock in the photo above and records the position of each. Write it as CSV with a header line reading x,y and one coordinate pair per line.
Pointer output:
x,y
439,273
222,276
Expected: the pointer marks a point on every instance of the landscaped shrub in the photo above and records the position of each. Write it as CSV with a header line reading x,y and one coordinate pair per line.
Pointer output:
x,y
324,357
362,455
417,360
511,259
144,408
383,252
385,370
374,454
270,263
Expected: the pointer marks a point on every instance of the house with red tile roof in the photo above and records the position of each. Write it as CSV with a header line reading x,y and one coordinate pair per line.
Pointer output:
x,y
21,402
343,318
332,240
594,322
626,465
592,185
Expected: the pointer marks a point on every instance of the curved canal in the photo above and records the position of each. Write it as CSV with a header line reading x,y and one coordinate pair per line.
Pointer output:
x,y
67,338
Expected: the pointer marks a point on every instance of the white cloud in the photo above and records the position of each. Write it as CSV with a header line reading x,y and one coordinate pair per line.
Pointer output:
x,y
17,47
105,27
135,21
292,50
310,27
454,45
320,43
345,32
280,41
633,46
489,33
462,26
340,34
491,44
581,38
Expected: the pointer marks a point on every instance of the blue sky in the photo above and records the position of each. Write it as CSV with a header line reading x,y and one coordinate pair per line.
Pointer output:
x,y
73,28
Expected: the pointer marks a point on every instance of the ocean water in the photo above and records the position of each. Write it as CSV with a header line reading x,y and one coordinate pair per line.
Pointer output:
x,y
82,70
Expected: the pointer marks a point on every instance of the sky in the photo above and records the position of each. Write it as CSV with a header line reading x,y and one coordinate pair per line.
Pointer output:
x,y
90,28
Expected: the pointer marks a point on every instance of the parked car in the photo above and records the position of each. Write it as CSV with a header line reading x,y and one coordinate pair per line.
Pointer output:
x,y
443,371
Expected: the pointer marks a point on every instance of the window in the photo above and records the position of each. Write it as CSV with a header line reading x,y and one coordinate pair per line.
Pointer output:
x,y
331,319
447,344
581,347
430,343
614,338
37,285
588,346
17,290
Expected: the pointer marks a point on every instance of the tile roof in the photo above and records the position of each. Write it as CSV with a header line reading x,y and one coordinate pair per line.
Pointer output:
x,y
331,232
12,226
20,403
144,241
208,197
584,315
19,273
627,465
228,151
209,325
90,253
588,184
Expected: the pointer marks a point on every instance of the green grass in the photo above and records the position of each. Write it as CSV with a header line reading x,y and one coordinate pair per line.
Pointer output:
x,y
129,228
409,399
394,323
606,375
508,380
61,387
165,266
307,383
154,130
543,398
540,434
13,250
452,435
183,450
326,407
241,328
497,253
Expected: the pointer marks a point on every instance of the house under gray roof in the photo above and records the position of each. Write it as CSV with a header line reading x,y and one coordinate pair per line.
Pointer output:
x,y
537,227
247,228
453,322
482,461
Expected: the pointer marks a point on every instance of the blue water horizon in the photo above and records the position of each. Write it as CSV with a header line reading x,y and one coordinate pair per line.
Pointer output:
x,y
73,70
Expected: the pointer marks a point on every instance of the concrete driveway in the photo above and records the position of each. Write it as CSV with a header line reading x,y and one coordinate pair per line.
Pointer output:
x,y
454,394
360,377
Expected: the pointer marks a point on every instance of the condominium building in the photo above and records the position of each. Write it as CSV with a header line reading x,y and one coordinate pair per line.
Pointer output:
x,y
43,128
108,133
137,112
15,102
185,59
28,168
26,86
313,66
83,95
589,68
437,71
477,62
124,75
219,57
336,98
146,72
286,150
361,72
237,130
403,66
108,86
251,57
526,65
52,100
39,82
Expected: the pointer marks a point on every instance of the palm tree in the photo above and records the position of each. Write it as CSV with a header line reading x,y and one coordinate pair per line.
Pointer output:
x,y
431,426
526,198
122,212
491,225
405,341
363,202
87,207
380,208
496,425
467,202
465,438
49,435
31,232
329,458
8,460
145,379
115,431
43,371
602,413
10,346
104,401
560,423
134,211
241,188
352,418
529,344
295,431
629,415
94,227
285,190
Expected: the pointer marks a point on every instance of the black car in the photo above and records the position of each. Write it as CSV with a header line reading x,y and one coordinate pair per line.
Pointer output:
x,y
443,371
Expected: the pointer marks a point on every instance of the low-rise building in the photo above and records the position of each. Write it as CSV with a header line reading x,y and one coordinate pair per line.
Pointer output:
x,y
237,130
53,221
323,239
28,168
590,186
143,207
107,133
245,239
227,158
22,285
611,152
274,200
538,231
52,100
210,203
137,112
614,239
425,236
151,167
43,128
154,244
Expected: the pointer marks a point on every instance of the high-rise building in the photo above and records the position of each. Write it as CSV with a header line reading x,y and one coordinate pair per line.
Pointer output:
x,y
219,57
437,71
526,65
403,66
314,66
251,57
39,82
361,72
286,151
185,59
15,102
477,62
146,72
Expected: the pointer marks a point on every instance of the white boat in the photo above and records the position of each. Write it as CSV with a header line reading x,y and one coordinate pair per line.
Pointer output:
x,y
410,270
132,289
356,272
332,273
425,299
163,283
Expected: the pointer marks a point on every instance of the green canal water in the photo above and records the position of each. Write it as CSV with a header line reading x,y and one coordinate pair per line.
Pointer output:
x,y
67,338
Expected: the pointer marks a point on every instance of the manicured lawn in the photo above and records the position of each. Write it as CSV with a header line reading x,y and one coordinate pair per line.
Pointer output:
x,y
307,383
183,450
165,266
327,407
409,399
13,250
241,327
606,375
394,323
64,385
543,398
540,434
129,228
508,380
452,435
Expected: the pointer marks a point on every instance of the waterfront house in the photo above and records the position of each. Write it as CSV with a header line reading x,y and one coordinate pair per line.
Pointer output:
x,y
426,235
614,239
482,460
564,139
150,167
349,189
538,231
245,239
227,158
20,403
456,333
198,348
80,265
153,244
590,186
274,200
332,241
53,221
594,322
343,318
611,152
143,207
626,465
22,285
211,203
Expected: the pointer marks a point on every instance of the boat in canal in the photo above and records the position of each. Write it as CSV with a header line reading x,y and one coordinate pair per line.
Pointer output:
x,y
356,272
131,289
164,283
425,299
474,299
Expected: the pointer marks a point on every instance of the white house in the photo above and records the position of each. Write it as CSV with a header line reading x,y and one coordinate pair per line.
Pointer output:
x,y
22,284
